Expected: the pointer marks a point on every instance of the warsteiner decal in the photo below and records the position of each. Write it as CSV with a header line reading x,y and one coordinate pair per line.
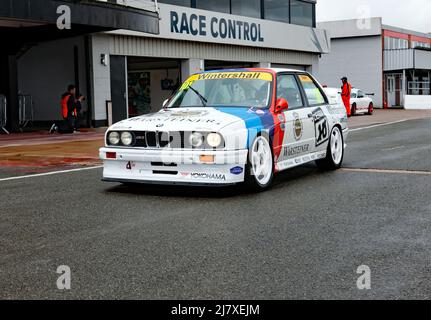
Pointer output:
x,y
296,151
321,127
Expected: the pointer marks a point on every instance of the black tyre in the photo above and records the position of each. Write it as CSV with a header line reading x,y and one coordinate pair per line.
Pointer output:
x,y
370,109
353,112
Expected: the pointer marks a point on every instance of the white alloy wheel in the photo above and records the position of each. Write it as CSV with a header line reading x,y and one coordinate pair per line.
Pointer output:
x,y
262,165
335,151
337,147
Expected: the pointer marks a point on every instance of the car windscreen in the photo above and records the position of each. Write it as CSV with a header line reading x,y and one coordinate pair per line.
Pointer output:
x,y
225,89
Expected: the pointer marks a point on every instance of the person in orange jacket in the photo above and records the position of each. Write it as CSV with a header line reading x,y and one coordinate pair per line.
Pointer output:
x,y
346,91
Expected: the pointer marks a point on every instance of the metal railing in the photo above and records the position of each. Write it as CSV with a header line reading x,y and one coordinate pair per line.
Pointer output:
x,y
26,111
419,88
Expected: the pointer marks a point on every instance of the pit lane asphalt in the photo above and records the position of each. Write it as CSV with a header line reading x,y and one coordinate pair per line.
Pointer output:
x,y
303,239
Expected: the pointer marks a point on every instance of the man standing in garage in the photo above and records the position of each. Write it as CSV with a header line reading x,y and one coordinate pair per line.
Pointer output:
x,y
346,91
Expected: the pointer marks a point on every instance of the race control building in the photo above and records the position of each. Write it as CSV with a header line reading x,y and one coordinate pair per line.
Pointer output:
x,y
137,58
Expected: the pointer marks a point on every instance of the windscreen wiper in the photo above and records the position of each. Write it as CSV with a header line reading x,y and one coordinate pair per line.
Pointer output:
x,y
204,101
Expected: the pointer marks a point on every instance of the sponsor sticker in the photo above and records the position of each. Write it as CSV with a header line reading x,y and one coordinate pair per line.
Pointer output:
x,y
204,176
296,151
297,127
247,75
321,127
237,170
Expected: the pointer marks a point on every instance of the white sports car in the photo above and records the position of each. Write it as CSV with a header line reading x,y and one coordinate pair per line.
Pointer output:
x,y
229,127
361,103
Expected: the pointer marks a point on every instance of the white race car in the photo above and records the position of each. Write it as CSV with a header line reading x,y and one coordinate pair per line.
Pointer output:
x,y
361,103
229,127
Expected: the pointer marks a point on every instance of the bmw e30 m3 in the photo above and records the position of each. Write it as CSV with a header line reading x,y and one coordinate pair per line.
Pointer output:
x,y
227,127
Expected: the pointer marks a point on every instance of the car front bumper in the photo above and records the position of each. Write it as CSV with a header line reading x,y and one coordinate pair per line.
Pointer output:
x,y
184,167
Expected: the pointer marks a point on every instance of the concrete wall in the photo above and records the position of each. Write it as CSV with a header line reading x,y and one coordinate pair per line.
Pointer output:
x,y
101,76
360,59
46,70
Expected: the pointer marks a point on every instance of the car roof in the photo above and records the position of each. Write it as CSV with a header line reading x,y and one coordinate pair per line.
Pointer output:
x,y
271,70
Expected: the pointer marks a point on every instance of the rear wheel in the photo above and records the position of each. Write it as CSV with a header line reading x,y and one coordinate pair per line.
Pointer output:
x,y
260,166
335,153
370,109
353,110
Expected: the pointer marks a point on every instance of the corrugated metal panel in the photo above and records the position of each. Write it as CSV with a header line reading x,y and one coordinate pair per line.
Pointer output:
x,y
153,47
423,59
399,59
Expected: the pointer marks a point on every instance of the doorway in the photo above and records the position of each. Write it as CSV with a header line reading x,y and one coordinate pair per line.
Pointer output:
x,y
394,88
150,81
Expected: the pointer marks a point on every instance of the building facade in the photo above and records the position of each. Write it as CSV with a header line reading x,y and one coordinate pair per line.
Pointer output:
x,y
129,72
46,46
391,63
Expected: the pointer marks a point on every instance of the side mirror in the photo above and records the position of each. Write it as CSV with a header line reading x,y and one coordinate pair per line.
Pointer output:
x,y
165,103
281,105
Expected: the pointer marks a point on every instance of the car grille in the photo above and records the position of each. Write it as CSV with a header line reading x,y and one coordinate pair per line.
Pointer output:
x,y
160,140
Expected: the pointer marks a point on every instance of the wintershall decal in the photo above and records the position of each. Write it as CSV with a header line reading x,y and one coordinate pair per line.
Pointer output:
x,y
217,28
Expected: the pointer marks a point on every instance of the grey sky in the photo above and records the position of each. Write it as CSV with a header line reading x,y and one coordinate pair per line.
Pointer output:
x,y
413,14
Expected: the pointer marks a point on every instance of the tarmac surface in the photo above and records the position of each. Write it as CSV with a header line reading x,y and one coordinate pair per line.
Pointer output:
x,y
303,239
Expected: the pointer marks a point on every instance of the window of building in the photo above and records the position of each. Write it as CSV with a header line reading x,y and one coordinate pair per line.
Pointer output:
x,y
313,93
301,12
184,3
277,10
392,43
419,44
214,5
248,8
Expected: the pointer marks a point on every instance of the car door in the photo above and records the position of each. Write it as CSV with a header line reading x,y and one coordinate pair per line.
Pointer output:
x,y
317,104
299,138
362,101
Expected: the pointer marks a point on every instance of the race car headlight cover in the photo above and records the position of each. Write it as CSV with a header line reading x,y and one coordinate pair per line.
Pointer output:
x,y
214,140
126,138
196,139
114,138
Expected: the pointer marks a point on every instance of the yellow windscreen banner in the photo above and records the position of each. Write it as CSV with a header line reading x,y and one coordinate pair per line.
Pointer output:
x,y
247,75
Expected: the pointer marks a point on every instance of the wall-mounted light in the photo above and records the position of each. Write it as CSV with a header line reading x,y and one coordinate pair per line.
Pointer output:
x,y
104,59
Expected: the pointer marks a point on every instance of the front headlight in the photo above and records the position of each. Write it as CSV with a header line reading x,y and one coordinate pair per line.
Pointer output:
x,y
196,139
114,138
214,140
126,138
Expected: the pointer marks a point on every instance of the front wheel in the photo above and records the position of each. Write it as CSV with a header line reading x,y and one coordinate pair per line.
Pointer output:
x,y
260,166
335,153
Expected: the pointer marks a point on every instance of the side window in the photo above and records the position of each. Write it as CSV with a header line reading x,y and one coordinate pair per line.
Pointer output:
x,y
361,94
313,93
288,88
353,95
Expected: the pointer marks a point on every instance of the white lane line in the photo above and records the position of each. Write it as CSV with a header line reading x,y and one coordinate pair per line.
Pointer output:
x,y
49,173
380,125
391,171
